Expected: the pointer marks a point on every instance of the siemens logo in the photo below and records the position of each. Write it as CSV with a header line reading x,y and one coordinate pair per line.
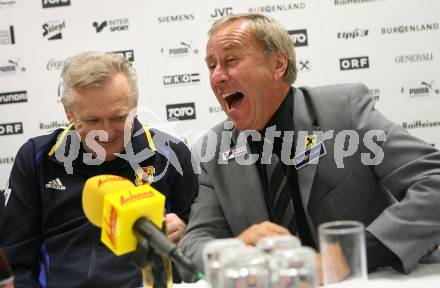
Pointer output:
x,y
182,111
175,18
11,128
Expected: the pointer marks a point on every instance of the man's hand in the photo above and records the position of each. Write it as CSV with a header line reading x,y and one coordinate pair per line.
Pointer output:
x,y
337,267
176,227
254,233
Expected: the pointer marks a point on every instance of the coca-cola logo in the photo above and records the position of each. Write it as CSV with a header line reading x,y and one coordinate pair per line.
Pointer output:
x,y
54,64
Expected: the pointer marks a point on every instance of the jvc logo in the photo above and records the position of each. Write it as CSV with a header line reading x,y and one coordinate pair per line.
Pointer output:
x,y
182,111
128,54
55,3
220,12
299,37
11,128
181,79
354,63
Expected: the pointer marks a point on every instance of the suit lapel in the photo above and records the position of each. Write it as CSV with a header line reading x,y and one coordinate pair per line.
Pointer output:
x,y
246,184
303,121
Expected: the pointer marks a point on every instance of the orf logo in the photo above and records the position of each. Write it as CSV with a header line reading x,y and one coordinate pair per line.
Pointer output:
x,y
299,37
11,128
55,3
182,111
145,175
354,63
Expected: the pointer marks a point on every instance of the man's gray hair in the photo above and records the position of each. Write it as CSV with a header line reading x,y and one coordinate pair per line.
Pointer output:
x,y
271,35
94,69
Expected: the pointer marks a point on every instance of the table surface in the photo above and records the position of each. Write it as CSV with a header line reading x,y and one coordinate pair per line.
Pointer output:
x,y
423,276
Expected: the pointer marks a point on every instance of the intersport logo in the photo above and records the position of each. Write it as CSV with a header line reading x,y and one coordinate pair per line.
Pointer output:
x,y
55,3
181,111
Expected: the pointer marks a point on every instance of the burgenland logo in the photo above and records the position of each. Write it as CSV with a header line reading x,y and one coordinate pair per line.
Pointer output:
x,y
181,111
181,79
422,89
7,4
356,33
11,66
345,2
215,109
51,125
55,3
11,128
353,63
175,18
185,49
299,37
7,36
304,65
416,124
220,12
54,64
409,28
416,57
282,7
114,25
13,97
53,30
128,54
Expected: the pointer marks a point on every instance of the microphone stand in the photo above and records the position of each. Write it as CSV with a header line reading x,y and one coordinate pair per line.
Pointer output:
x,y
154,273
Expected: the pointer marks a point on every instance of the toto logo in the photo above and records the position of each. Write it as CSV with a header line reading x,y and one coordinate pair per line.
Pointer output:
x,y
182,111
354,63
299,37
55,3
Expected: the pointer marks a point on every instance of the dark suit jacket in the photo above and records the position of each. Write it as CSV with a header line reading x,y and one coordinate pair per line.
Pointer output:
x,y
398,199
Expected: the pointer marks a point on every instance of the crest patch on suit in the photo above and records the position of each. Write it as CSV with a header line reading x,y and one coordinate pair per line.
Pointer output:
x,y
312,152
145,175
236,152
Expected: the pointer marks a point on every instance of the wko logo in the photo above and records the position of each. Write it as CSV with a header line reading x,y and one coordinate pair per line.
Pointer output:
x,y
354,63
181,79
55,3
13,97
182,111
11,128
114,25
220,12
356,33
53,30
299,37
10,66
127,54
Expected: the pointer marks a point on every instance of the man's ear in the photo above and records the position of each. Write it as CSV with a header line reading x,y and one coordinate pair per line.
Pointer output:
x,y
280,65
69,114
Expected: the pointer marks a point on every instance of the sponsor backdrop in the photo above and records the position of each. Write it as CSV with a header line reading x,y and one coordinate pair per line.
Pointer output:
x,y
393,46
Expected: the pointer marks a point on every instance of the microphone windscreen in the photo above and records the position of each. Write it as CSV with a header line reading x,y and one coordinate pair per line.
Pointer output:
x,y
94,191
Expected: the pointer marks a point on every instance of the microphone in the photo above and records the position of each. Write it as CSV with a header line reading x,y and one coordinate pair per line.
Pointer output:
x,y
124,211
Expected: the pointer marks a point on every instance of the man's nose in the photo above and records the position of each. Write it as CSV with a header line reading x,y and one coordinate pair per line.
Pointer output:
x,y
219,75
